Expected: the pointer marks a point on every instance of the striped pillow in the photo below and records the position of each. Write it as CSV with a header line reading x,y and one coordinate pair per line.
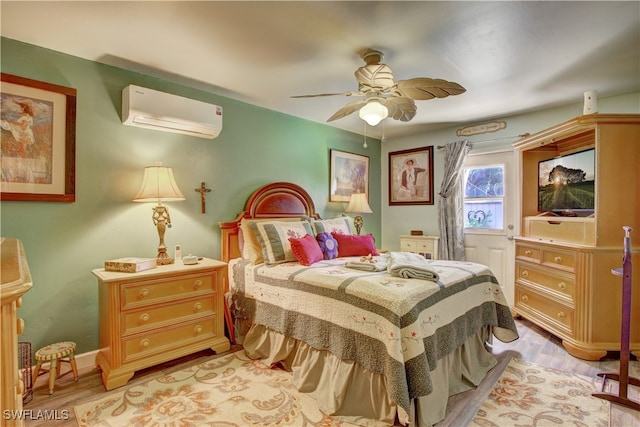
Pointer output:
x,y
335,225
273,237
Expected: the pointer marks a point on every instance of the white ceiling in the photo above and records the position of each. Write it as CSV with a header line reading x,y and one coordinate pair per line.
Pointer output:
x,y
512,57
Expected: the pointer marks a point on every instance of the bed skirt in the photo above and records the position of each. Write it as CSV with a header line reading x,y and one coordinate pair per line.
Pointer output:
x,y
348,392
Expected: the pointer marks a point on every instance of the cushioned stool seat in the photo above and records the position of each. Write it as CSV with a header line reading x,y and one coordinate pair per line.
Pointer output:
x,y
55,354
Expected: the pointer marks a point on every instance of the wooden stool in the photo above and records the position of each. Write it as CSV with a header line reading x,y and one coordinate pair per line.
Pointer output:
x,y
55,354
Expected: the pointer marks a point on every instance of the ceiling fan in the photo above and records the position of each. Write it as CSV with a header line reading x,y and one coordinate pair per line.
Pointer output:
x,y
385,98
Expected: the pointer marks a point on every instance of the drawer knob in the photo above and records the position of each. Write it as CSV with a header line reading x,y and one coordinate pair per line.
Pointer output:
x,y
197,306
197,329
561,315
524,273
197,284
528,252
524,298
144,343
144,292
562,285
144,317
558,259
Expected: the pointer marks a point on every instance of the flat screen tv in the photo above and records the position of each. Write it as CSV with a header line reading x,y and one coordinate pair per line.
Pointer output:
x,y
566,184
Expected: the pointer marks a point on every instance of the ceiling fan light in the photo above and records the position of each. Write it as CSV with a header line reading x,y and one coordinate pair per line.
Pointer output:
x,y
373,113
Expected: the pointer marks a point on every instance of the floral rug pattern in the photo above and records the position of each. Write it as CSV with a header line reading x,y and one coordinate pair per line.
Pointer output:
x,y
227,391
531,395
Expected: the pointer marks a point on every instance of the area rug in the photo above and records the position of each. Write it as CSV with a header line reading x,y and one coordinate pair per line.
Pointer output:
x,y
531,395
227,391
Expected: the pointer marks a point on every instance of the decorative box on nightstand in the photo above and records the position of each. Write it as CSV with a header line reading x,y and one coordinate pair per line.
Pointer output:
x,y
156,315
427,246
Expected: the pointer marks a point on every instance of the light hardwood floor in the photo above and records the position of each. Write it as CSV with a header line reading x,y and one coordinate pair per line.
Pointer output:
x,y
534,345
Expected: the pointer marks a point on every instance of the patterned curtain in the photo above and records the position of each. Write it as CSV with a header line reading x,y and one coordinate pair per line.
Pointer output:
x,y
450,203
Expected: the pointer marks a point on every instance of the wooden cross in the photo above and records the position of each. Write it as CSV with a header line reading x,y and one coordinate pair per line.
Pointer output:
x,y
203,190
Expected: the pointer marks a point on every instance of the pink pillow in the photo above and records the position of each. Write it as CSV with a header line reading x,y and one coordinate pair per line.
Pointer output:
x,y
306,249
352,245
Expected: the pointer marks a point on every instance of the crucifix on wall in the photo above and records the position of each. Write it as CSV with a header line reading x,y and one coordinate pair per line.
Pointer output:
x,y
203,190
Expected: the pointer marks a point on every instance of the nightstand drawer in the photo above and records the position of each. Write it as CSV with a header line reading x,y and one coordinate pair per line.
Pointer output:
x,y
168,338
153,317
564,284
156,291
408,245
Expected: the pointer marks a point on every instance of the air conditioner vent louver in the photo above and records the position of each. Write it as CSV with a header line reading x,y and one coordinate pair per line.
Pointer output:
x,y
152,109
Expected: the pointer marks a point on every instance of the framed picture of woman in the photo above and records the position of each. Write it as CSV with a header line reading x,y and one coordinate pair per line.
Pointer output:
x,y
411,176
38,127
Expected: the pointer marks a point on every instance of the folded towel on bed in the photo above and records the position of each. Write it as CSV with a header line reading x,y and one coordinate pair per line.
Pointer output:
x,y
411,266
369,263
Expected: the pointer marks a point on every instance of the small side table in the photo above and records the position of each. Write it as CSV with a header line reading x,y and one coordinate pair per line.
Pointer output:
x,y
427,246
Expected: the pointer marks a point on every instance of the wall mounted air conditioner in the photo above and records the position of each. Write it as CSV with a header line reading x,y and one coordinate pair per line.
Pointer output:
x,y
152,109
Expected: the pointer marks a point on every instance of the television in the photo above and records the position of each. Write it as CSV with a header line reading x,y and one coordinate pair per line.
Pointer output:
x,y
566,184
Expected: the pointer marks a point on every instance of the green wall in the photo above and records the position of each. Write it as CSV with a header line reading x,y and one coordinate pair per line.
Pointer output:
x,y
65,241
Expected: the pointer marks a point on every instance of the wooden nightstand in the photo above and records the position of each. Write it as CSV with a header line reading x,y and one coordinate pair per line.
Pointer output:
x,y
157,315
427,246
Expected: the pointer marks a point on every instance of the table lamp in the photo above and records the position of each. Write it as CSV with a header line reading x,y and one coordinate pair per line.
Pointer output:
x,y
358,204
159,185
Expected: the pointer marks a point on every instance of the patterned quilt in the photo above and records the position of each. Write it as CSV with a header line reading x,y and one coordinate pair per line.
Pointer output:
x,y
391,325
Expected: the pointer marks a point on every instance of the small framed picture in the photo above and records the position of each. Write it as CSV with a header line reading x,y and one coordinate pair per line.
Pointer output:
x,y
411,177
38,145
349,173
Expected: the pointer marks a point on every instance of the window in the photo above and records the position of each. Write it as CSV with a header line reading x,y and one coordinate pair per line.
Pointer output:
x,y
484,197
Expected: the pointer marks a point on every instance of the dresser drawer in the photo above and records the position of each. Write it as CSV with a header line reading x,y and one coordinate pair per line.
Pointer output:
x,y
530,253
408,245
559,259
547,278
554,314
144,345
155,291
152,317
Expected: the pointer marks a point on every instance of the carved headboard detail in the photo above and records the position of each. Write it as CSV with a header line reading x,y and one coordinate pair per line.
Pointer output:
x,y
275,200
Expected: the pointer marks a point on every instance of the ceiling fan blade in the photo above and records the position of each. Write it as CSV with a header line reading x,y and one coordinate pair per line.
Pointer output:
x,y
351,107
422,88
400,108
327,94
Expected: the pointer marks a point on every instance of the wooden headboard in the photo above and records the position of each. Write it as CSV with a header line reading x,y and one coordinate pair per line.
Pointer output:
x,y
275,200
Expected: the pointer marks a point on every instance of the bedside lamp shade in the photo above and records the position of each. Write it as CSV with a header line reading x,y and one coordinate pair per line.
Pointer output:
x,y
358,204
159,185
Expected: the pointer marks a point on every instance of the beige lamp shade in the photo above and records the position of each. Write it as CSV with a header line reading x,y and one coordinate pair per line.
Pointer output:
x,y
158,185
358,204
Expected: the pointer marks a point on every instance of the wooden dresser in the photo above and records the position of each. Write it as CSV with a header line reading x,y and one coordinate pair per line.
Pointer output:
x,y
427,246
15,281
563,264
158,315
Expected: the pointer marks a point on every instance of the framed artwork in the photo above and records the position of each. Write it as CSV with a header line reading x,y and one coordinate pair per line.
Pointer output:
x,y
411,177
38,144
349,173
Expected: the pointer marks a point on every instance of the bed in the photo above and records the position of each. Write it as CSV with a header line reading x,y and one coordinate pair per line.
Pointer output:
x,y
373,348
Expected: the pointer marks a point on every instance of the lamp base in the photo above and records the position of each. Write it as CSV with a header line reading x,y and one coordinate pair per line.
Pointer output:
x,y
163,258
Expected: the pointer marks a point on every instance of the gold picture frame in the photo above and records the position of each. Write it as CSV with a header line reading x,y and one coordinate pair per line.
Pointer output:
x,y
349,173
38,145
411,177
